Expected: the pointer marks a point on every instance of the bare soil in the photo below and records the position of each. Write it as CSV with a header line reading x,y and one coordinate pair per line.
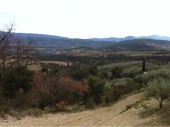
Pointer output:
x,y
119,114
62,63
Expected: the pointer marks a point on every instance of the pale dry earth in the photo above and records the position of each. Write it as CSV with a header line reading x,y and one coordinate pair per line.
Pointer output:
x,y
115,115
57,62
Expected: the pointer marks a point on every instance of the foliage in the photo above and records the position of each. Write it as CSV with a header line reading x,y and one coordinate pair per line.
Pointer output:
x,y
89,102
159,89
82,72
89,80
105,75
96,89
116,72
123,81
93,70
131,72
17,80
79,73
120,88
154,74
54,89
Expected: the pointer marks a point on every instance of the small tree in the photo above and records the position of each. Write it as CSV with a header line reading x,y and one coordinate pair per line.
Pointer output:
x,y
159,89
5,44
116,72
15,57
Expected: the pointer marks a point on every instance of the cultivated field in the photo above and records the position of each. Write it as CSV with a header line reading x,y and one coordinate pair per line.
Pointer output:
x,y
62,63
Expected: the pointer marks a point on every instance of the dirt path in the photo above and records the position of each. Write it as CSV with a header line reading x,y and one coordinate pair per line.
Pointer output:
x,y
106,116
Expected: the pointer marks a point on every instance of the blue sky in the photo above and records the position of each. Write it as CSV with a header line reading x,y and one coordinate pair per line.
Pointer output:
x,y
87,18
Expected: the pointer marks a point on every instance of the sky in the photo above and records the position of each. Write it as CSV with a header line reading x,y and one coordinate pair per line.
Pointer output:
x,y
88,18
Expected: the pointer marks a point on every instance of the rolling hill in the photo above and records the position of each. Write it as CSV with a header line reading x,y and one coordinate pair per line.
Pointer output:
x,y
140,45
42,40
153,42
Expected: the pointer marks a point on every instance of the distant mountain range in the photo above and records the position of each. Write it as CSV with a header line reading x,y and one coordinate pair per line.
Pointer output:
x,y
153,42
140,45
154,37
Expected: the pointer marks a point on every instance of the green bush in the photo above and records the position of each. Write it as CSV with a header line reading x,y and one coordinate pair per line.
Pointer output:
x,y
89,103
131,72
82,72
120,88
123,81
96,89
17,80
116,72
79,73
152,75
44,100
93,70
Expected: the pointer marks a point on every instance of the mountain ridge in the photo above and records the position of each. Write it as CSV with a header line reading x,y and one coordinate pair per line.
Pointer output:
x,y
140,44
153,42
117,39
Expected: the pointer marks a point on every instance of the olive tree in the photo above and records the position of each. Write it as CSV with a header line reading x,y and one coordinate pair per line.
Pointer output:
x,y
159,89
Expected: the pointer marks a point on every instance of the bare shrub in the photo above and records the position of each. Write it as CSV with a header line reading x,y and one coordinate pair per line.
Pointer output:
x,y
55,89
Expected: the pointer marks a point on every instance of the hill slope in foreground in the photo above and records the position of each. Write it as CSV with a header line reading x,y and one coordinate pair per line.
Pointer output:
x,y
121,113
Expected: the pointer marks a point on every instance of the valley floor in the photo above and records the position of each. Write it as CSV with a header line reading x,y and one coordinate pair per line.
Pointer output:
x,y
119,114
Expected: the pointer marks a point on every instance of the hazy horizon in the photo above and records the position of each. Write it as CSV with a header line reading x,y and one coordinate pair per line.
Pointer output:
x,y
92,37
88,18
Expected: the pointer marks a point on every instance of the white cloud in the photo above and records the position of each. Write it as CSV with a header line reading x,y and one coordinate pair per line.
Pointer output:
x,y
88,18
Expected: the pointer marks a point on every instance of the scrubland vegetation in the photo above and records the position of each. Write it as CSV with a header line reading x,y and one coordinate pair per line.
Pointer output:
x,y
88,82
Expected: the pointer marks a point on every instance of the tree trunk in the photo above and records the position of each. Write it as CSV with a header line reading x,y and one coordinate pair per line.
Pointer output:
x,y
143,65
3,70
160,103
